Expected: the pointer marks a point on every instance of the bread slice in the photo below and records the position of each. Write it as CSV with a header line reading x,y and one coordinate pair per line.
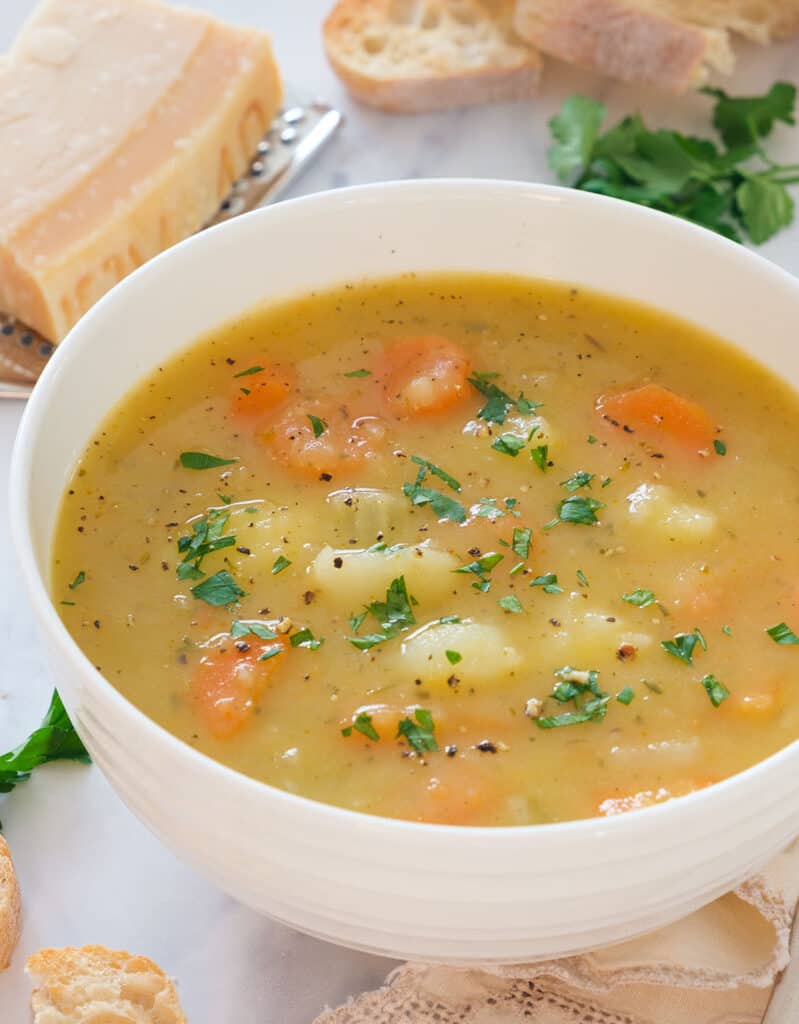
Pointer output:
x,y
98,984
10,906
672,43
410,56
626,39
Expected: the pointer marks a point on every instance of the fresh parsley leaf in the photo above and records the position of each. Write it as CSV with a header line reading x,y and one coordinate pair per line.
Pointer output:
x,y
726,630
575,130
782,634
683,645
453,657
640,598
319,426
362,723
356,621
54,740
250,370
578,480
202,460
481,567
206,536
394,615
419,734
270,652
591,439
720,446
765,206
742,120
511,603
218,590
442,474
521,541
499,402
625,695
549,583
577,509
509,444
239,628
581,688
716,690
279,564
305,638
359,373
582,579
80,578
540,455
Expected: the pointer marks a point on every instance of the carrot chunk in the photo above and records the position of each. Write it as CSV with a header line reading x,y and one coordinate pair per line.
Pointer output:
x,y
423,375
321,439
660,415
228,683
264,390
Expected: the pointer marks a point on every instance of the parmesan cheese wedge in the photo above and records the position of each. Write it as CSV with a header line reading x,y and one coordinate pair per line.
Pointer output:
x,y
123,124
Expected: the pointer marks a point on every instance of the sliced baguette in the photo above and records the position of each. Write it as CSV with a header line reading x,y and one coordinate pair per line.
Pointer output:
x,y
410,56
93,983
626,39
761,20
10,906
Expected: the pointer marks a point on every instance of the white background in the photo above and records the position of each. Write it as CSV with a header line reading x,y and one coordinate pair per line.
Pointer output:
x,y
90,873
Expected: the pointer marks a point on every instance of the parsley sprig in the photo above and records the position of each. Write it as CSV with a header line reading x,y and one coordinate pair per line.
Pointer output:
x,y
420,494
734,188
499,403
206,536
393,615
581,689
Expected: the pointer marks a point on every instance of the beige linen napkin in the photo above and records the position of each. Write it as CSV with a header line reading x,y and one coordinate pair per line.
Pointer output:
x,y
717,966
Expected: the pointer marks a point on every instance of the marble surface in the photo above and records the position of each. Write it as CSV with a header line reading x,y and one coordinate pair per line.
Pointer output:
x,y
89,871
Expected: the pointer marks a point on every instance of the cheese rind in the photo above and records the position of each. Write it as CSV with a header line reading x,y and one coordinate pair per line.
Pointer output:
x,y
142,173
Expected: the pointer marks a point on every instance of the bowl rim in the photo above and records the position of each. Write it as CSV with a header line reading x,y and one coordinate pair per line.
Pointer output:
x,y
31,434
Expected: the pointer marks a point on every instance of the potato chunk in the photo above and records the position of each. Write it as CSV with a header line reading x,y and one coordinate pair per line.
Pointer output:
x,y
359,576
588,637
656,508
364,512
486,657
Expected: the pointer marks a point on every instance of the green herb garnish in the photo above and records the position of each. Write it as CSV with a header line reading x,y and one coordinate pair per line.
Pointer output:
x,y
218,590
578,480
54,740
683,645
720,446
453,657
305,638
443,506
625,695
394,615
549,583
202,460
499,402
731,189
319,426
442,474
80,578
715,690
362,723
270,652
576,509
640,598
511,603
359,373
540,456
419,734
250,370
582,689
481,567
206,536
239,628
279,564
782,634
582,579
509,444
521,541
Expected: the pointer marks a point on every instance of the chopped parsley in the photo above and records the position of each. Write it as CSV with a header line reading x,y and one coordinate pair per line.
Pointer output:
x,y
359,373
549,583
443,506
356,621
319,426
720,446
449,618
683,645
487,508
509,444
591,439
582,579
576,509
206,536
250,370
540,455
279,564
521,541
481,567
578,480
362,723
305,638
202,460
581,689
782,634
625,695
393,616
726,630
499,402
54,740
511,603
640,598
453,657
419,734
716,691
442,474
239,628
218,590
80,578
270,652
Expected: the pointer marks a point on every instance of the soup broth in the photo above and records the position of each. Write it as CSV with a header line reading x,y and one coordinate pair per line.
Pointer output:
x,y
465,549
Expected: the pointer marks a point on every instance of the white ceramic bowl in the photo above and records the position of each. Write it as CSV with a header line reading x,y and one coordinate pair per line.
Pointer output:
x,y
407,890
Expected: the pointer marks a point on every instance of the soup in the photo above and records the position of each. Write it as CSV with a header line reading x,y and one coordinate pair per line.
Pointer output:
x,y
465,549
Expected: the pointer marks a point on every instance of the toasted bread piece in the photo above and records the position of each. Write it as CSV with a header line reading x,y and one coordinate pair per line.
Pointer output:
x,y
409,56
10,906
760,20
92,983
629,39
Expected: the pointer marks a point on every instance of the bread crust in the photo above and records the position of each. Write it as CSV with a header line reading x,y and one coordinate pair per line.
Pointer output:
x,y
10,906
426,81
88,982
